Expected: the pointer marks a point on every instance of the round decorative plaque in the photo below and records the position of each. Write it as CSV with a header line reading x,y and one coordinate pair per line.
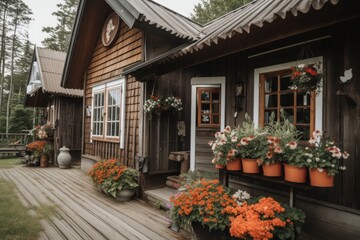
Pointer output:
x,y
110,29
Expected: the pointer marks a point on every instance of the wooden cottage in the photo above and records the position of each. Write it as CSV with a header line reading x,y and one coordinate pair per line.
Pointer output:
x,y
109,36
63,107
241,63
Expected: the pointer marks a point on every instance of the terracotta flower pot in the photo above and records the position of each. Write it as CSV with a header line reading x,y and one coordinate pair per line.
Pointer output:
x,y
219,166
250,165
272,170
320,179
234,165
295,174
43,161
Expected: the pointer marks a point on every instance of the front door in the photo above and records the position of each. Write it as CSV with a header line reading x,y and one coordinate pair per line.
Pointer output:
x,y
207,118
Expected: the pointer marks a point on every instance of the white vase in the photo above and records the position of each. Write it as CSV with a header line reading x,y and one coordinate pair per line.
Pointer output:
x,y
64,158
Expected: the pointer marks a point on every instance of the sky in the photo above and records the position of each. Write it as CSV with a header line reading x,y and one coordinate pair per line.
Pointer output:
x,y
43,9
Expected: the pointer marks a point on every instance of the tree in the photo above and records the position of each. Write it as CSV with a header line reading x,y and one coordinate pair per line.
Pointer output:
x,y
208,10
60,34
20,119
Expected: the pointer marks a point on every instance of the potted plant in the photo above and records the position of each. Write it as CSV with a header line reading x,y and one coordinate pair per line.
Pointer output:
x,y
201,204
306,77
36,148
295,162
252,145
264,218
279,134
323,160
115,179
224,149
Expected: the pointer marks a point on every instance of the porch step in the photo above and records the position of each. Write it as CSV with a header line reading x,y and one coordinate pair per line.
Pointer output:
x,y
160,197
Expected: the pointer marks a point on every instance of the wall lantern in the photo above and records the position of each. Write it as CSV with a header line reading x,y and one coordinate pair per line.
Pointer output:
x,y
239,93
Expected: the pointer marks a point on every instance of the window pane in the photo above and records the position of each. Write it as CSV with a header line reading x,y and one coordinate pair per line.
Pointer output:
x,y
289,114
215,108
287,99
305,130
271,100
205,108
205,96
271,84
285,83
303,99
98,109
215,96
113,112
216,119
303,116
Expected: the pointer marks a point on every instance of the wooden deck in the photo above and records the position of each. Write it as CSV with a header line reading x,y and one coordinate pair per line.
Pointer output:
x,y
82,212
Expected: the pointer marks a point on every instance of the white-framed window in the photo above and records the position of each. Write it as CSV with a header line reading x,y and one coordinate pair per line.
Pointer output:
x,y
108,112
271,93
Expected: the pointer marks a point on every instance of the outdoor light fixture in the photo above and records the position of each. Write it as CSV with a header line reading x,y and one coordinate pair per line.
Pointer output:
x,y
239,93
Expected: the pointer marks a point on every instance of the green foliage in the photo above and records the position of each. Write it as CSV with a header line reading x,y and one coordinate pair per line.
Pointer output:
x,y
20,119
208,10
15,222
59,38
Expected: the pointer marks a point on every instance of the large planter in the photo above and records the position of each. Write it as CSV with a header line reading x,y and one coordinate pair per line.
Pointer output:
x,y
234,165
295,174
250,165
203,232
43,161
64,158
125,195
320,179
272,170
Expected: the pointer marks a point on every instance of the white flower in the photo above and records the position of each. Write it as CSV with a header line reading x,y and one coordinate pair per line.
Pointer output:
x,y
317,159
320,170
301,65
332,165
234,138
342,168
227,129
317,133
309,160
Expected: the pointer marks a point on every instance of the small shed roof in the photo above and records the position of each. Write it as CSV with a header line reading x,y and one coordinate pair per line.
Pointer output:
x,y
51,65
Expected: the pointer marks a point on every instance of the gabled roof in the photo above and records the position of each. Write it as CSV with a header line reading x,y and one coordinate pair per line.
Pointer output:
x,y
142,14
51,65
152,13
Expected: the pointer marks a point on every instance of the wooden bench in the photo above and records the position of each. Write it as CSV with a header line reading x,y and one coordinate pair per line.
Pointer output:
x,y
13,149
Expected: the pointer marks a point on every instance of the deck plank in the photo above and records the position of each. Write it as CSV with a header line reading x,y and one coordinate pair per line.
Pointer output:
x,y
82,212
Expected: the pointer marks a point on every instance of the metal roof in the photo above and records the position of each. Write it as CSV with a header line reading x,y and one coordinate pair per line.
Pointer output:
x,y
255,13
51,67
152,13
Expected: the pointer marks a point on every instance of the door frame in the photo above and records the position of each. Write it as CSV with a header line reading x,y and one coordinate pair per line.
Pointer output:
x,y
204,82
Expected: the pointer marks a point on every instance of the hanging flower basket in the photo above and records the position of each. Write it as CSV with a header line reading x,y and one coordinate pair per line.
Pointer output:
x,y
306,77
157,105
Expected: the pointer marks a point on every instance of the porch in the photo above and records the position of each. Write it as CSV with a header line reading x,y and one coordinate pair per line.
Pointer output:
x,y
81,211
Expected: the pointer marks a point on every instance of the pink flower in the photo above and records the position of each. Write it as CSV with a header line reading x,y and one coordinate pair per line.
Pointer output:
x,y
244,141
227,129
234,138
292,145
278,150
210,143
317,133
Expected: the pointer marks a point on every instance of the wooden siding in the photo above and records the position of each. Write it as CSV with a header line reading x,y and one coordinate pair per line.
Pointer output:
x,y
340,118
105,65
68,123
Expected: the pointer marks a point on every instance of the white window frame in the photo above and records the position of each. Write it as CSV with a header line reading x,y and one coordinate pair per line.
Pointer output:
x,y
120,83
278,67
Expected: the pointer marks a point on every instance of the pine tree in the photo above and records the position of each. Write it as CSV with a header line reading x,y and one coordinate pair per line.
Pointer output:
x,y
59,38
208,10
